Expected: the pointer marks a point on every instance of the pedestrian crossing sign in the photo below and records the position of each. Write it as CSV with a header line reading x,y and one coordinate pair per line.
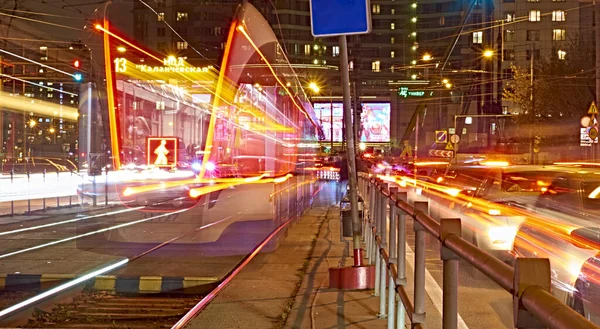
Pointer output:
x,y
449,146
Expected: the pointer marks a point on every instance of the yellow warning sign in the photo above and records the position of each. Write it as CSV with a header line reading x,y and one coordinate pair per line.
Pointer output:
x,y
449,146
593,109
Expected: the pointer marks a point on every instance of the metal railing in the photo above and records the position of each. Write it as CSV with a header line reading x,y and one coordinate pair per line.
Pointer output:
x,y
384,225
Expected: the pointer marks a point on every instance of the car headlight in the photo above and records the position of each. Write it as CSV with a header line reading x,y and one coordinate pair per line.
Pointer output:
x,y
501,235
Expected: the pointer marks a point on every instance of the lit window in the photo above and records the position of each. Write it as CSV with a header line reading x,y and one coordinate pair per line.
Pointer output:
x,y
376,66
392,26
182,45
509,17
559,35
478,37
50,95
558,16
306,50
561,55
414,19
392,54
351,65
392,40
393,11
161,17
335,51
376,9
182,16
442,21
534,16
510,35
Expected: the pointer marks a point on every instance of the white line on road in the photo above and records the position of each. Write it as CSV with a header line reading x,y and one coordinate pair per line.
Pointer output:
x,y
88,234
68,221
432,288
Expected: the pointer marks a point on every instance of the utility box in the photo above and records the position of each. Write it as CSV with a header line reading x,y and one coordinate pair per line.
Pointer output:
x,y
346,215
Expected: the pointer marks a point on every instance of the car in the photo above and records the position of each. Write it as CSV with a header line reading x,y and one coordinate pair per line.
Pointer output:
x,y
492,201
567,231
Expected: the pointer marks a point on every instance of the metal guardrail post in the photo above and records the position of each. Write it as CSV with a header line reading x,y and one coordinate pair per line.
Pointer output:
x,y
375,231
419,291
44,175
529,272
106,189
12,208
57,202
393,233
44,204
12,174
94,191
401,258
449,226
28,205
382,232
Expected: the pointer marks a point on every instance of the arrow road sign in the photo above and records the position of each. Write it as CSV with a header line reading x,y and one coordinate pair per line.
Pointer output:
x,y
441,153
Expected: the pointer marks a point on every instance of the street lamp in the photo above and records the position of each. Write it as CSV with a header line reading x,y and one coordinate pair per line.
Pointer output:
x,y
32,123
121,49
427,57
314,87
51,130
488,53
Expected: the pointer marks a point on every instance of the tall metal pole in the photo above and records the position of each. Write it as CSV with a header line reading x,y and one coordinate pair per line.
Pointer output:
x,y
351,153
331,117
531,55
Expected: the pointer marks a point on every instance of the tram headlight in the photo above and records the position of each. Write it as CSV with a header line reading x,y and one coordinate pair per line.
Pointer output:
x,y
196,166
210,166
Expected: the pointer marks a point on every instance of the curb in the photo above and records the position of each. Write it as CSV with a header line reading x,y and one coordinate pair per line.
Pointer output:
x,y
111,283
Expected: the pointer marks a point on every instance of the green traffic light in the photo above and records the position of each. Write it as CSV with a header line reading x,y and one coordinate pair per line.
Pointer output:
x,y
78,77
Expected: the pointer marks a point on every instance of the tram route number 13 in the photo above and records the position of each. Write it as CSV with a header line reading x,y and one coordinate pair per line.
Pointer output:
x,y
120,65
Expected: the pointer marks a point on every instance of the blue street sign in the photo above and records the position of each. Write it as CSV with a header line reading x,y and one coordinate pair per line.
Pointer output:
x,y
340,17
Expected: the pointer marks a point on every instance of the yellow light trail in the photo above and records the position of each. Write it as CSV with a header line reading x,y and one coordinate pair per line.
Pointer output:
x,y
40,107
112,117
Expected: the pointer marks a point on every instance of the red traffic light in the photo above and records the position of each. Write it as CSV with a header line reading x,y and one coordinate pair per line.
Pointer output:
x,y
76,64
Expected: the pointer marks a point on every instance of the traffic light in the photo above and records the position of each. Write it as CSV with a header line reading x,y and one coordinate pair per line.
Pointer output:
x,y
76,63
78,77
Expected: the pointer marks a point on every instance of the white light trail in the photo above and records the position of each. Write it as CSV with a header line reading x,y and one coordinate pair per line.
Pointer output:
x,y
37,85
62,287
88,234
68,221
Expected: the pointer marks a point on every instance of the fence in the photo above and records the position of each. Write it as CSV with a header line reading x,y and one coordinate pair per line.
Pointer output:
x,y
385,237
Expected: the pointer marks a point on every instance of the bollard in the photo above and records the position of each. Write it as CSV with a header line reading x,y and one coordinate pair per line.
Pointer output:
x,y
43,203
57,202
12,208
419,292
70,203
28,205
448,227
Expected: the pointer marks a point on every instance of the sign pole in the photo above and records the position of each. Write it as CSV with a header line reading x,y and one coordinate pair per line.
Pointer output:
x,y
351,152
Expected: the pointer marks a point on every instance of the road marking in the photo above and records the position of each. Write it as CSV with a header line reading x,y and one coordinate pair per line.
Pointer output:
x,y
432,288
88,234
31,228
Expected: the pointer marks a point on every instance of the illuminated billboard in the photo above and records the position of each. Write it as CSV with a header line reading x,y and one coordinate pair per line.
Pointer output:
x,y
323,113
162,151
375,121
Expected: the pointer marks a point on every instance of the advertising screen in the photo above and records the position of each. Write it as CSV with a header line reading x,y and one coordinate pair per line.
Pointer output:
x,y
323,113
375,121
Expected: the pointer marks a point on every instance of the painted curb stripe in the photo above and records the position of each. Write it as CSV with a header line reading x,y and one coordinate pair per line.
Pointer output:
x,y
133,284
